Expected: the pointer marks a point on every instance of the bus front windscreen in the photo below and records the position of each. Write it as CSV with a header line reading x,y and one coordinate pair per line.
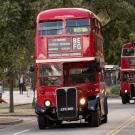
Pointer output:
x,y
79,73
50,75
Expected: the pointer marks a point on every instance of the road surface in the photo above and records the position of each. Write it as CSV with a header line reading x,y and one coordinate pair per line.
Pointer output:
x,y
121,121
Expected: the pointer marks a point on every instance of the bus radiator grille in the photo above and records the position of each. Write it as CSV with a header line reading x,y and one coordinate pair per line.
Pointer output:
x,y
66,103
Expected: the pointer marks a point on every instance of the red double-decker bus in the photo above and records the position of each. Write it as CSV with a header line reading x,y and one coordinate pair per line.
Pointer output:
x,y
69,67
127,73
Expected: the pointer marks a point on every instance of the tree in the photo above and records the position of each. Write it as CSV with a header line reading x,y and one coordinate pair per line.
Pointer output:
x,y
118,25
117,17
15,26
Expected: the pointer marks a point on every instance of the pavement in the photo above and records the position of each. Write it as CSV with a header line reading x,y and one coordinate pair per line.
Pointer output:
x,y
19,98
22,108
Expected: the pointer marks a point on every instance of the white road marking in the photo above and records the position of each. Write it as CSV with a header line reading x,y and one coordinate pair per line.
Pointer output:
x,y
21,132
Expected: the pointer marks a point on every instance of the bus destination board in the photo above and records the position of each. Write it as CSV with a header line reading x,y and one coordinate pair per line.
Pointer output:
x,y
64,47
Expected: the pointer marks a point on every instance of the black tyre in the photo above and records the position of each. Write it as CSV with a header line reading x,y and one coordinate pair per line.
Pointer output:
x,y
123,100
105,119
95,119
106,106
127,100
58,123
41,122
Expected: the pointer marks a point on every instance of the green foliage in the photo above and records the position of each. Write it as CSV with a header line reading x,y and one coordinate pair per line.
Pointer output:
x,y
115,90
15,37
117,17
17,27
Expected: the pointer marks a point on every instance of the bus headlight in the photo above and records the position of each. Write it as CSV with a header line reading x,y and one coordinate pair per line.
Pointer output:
x,y
47,103
126,91
82,101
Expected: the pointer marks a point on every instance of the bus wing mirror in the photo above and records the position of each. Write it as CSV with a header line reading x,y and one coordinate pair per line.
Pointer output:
x,y
33,57
31,68
97,66
98,69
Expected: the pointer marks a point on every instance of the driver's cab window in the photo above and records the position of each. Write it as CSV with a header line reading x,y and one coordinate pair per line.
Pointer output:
x,y
82,75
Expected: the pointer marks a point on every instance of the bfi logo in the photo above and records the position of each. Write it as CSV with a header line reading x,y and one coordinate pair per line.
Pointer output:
x,y
77,43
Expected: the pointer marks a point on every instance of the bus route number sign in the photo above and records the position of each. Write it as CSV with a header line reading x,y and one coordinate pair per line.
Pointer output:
x,y
77,43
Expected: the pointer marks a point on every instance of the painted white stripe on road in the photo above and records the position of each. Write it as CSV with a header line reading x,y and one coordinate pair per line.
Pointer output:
x,y
21,132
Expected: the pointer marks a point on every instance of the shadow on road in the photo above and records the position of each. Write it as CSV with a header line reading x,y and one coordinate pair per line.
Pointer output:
x,y
69,126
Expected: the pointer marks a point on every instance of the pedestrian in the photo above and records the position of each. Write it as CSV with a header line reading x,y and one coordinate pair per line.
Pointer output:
x,y
21,84
1,89
28,86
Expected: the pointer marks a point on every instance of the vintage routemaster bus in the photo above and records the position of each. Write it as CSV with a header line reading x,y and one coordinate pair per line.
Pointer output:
x,y
69,67
127,73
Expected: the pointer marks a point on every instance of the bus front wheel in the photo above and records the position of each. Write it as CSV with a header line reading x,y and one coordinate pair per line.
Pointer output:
x,y
123,100
95,119
105,118
41,122
58,123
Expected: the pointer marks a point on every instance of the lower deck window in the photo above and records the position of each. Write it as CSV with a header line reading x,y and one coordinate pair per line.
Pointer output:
x,y
50,81
50,74
128,76
82,75
79,73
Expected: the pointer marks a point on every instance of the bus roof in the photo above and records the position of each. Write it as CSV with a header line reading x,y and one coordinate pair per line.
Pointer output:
x,y
61,13
128,45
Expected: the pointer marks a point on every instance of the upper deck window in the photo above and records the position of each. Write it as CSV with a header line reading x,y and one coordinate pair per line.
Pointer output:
x,y
128,52
51,27
77,26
